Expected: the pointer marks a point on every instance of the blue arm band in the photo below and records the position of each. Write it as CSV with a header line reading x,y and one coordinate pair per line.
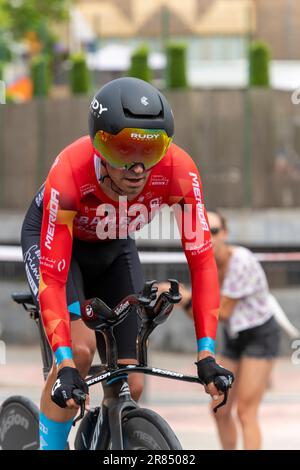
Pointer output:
x,y
63,352
207,344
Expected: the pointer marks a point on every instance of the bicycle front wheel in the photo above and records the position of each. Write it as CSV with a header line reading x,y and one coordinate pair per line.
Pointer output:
x,y
144,429
19,424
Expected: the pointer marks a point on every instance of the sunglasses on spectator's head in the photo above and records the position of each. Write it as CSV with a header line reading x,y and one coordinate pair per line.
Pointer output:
x,y
215,230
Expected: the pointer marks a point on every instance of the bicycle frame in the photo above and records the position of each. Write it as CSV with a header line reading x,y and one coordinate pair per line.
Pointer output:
x,y
108,429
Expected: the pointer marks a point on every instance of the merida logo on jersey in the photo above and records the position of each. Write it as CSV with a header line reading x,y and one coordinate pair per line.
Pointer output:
x,y
54,202
200,205
134,135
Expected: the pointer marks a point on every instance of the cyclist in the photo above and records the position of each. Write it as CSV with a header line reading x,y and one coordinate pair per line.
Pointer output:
x,y
77,240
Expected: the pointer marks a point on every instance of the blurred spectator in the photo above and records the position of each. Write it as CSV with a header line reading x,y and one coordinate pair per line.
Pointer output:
x,y
251,334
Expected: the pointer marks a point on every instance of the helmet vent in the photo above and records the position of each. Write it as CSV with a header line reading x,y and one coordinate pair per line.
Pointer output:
x,y
129,114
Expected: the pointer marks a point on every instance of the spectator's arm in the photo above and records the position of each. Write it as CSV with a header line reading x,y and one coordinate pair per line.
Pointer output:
x,y
226,307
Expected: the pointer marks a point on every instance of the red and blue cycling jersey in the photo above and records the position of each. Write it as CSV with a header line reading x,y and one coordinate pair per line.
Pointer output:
x,y
74,205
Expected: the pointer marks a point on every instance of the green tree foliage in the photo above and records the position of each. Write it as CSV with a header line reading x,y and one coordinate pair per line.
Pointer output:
x,y
259,64
5,54
139,67
80,75
41,75
28,15
22,16
176,65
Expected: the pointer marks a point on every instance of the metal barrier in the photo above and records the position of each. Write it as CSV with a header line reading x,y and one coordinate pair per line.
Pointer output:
x,y
14,254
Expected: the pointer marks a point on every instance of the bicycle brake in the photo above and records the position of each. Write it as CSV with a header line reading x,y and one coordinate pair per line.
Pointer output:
x,y
79,398
173,294
223,384
148,293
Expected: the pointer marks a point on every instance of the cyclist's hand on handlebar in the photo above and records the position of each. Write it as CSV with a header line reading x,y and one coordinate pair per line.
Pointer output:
x,y
68,379
216,378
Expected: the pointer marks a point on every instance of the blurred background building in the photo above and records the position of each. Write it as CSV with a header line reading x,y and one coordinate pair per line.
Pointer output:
x,y
216,29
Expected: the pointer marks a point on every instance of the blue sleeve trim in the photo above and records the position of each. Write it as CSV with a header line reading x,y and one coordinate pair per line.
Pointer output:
x,y
74,308
63,352
207,344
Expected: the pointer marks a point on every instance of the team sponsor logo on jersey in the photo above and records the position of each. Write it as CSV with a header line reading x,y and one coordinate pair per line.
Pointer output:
x,y
32,259
47,262
87,188
159,180
198,249
61,265
31,281
53,210
40,196
85,209
85,220
154,203
200,205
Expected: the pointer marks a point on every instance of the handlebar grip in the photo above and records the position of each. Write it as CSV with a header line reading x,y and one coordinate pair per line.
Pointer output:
x,y
222,383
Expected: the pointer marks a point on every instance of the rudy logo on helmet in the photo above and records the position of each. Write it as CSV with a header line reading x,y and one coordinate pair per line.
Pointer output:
x,y
97,107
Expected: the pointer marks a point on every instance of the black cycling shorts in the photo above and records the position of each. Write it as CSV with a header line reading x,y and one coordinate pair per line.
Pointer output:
x,y
262,342
110,270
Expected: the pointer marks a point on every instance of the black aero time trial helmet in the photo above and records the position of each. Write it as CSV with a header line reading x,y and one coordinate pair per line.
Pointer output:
x,y
130,121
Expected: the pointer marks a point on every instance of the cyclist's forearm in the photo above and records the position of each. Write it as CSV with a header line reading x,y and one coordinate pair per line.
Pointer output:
x,y
205,289
56,319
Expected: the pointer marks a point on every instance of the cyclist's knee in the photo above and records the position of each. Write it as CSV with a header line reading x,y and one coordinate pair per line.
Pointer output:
x,y
83,358
136,384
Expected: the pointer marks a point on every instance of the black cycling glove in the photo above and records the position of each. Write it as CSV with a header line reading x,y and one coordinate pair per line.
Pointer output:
x,y
68,379
209,370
